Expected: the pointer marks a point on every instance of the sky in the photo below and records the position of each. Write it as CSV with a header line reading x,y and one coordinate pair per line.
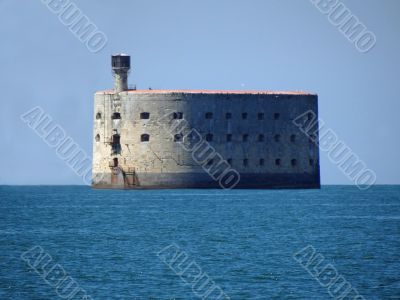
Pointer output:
x,y
207,44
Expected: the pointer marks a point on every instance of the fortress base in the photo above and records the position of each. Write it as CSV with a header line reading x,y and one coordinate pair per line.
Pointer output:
x,y
203,180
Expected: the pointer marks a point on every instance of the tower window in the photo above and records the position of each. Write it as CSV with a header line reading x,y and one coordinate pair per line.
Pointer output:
x,y
145,115
244,116
261,162
116,116
98,116
245,137
278,161
209,137
245,162
277,116
229,161
116,144
178,115
115,161
209,115
145,137
210,162
277,138
98,138
260,116
293,162
261,138
228,115
293,138
309,116
311,162
229,137
178,137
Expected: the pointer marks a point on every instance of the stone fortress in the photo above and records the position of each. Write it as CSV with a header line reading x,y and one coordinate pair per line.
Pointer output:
x,y
200,139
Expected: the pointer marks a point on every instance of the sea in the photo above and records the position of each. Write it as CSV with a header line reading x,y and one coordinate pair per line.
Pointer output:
x,y
74,242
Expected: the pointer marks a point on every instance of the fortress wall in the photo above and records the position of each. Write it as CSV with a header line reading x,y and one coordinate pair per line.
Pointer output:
x,y
163,161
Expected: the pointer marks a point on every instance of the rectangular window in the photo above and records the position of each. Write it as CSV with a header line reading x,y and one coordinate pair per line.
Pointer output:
x,y
229,137
228,115
245,137
260,116
244,116
116,116
277,116
145,115
145,138
262,161
245,162
178,115
209,115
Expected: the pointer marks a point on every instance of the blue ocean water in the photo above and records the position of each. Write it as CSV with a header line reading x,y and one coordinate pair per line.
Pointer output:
x,y
244,240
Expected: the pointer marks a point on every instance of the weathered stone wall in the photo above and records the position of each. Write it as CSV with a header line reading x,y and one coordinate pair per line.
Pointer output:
x,y
162,162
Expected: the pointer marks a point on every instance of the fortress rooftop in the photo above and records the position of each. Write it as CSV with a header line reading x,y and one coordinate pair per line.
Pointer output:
x,y
227,92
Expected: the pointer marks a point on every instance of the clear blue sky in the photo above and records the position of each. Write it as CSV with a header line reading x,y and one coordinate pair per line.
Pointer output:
x,y
207,44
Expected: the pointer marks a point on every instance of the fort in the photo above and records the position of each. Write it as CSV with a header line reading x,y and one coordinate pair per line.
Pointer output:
x,y
201,138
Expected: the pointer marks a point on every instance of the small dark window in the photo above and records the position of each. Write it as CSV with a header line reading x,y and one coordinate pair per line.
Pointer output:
x,y
245,162
145,115
293,162
228,115
229,137
245,137
278,161
98,116
178,138
309,116
144,137
209,115
261,138
262,161
311,162
277,137
293,138
209,137
244,116
229,161
115,160
98,138
277,116
116,116
260,116
178,115
210,162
